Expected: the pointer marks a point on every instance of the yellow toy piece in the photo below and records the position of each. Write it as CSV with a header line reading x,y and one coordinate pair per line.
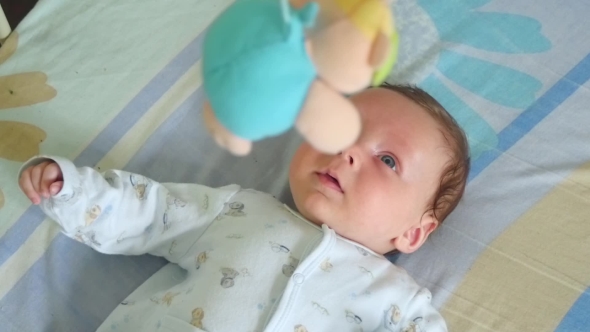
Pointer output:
x,y
370,16
375,20
382,72
369,44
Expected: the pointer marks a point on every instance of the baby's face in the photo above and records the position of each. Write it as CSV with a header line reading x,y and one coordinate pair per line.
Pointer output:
x,y
379,189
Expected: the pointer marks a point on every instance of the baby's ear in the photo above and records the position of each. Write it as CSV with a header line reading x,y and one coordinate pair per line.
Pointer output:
x,y
412,239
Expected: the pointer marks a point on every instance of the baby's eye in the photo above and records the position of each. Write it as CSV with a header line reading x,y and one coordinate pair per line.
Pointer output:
x,y
389,161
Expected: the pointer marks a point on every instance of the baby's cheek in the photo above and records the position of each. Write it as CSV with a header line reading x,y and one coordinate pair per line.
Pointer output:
x,y
317,209
378,207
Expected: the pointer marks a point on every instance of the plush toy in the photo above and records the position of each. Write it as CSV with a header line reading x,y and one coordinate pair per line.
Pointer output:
x,y
354,42
267,69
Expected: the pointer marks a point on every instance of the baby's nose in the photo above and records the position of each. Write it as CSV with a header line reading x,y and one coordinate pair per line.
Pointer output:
x,y
348,156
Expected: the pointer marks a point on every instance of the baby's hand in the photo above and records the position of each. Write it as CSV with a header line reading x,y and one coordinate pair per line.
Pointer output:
x,y
43,180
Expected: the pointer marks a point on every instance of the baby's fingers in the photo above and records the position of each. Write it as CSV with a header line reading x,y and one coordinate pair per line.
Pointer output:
x,y
36,173
51,174
27,186
55,187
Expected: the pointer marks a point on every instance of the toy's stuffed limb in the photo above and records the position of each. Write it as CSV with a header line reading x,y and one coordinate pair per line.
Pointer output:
x,y
342,61
328,121
224,137
380,50
297,4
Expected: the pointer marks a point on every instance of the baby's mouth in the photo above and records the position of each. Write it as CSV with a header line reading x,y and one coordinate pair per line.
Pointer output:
x,y
330,181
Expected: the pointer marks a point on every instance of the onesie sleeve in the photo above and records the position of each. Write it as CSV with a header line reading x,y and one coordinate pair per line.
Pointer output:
x,y
118,212
420,315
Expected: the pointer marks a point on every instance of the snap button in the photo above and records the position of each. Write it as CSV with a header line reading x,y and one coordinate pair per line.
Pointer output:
x,y
298,278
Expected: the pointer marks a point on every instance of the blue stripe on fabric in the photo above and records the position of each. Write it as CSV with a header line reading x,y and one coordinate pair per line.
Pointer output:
x,y
528,119
16,235
73,288
175,137
578,317
139,105
74,282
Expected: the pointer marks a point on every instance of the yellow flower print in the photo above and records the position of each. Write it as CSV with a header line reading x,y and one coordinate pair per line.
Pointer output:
x,y
169,297
92,214
22,89
197,318
300,328
20,141
326,266
200,259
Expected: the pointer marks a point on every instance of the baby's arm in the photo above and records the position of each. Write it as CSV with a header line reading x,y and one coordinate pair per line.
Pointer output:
x,y
119,212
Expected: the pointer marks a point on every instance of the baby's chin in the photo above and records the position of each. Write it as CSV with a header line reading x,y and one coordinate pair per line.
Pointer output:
x,y
347,230
309,215
322,211
316,210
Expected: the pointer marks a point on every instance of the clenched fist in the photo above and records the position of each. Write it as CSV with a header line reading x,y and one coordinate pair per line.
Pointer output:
x,y
43,180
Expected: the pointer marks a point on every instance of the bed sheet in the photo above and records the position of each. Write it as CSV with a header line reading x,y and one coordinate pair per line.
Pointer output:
x,y
116,84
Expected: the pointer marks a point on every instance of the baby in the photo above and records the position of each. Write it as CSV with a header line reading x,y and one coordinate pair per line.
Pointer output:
x,y
252,263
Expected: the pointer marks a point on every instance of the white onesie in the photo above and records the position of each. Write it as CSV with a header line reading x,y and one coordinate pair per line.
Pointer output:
x,y
251,263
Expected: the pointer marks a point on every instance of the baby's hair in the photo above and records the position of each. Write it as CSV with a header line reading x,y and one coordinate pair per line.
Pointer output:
x,y
454,176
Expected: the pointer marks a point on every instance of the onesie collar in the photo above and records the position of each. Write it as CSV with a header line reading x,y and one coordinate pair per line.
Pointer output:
x,y
327,230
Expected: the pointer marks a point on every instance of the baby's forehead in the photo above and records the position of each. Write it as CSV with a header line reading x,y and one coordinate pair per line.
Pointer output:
x,y
382,105
392,117
374,97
